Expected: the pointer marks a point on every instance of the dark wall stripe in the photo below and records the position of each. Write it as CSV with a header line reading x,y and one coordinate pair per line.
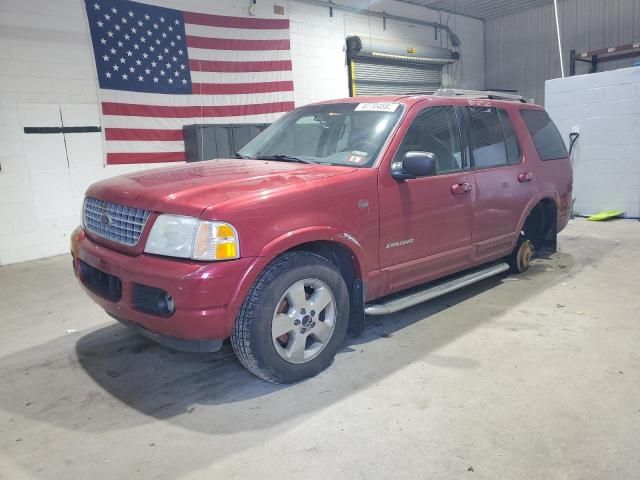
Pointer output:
x,y
88,129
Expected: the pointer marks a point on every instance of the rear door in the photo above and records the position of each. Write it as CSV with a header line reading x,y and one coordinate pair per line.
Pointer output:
x,y
425,223
503,185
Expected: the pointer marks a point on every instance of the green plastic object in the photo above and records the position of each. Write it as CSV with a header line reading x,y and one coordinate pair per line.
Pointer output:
x,y
605,215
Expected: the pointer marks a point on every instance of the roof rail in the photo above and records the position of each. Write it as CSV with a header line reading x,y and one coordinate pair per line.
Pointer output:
x,y
491,95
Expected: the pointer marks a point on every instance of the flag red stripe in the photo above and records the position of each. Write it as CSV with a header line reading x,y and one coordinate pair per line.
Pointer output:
x,y
240,88
147,157
236,44
234,22
148,134
235,67
135,110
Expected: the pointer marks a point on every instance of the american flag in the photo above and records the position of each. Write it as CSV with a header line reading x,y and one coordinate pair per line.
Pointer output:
x,y
159,69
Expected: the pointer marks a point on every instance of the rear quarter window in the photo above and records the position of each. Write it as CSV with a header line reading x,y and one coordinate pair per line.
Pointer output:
x,y
545,135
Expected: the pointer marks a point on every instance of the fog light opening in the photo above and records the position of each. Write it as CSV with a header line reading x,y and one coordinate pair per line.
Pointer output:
x,y
169,304
152,300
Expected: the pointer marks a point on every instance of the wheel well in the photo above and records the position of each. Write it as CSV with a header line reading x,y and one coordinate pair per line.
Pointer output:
x,y
337,254
540,226
348,267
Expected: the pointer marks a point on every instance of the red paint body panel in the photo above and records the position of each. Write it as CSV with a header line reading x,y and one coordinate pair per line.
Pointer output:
x,y
202,291
426,211
275,206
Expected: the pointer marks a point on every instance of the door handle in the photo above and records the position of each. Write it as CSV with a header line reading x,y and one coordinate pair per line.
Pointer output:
x,y
525,177
460,188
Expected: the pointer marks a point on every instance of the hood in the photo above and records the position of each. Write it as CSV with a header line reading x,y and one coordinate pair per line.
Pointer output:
x,y
190,189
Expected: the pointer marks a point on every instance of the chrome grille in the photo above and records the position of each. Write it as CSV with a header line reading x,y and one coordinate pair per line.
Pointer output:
x,y
114,222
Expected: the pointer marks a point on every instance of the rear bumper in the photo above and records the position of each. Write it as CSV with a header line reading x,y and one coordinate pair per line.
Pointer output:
x,y
207,295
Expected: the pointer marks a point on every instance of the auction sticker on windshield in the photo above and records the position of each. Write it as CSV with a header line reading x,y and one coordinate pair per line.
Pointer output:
x,y
377,107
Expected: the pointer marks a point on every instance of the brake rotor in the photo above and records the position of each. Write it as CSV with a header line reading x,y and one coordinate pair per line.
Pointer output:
x,y
525,254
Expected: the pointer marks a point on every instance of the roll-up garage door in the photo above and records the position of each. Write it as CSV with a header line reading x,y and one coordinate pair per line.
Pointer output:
x,y
380,76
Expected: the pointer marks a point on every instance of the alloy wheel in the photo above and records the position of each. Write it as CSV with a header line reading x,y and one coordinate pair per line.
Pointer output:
x,y
304,321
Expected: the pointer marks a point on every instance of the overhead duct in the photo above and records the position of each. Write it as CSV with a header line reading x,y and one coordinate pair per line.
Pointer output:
x,y
331,5
381,67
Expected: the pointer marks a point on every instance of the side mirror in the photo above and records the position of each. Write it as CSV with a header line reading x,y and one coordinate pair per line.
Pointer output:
x,y
414,165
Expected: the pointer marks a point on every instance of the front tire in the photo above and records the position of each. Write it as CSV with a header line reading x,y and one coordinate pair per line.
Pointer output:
x,y
294,319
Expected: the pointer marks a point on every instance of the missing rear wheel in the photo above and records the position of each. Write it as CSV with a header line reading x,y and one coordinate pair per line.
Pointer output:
x,y
520,259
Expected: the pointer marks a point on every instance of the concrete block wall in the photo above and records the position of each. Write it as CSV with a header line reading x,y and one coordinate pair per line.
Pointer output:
x,y
605,107
48,77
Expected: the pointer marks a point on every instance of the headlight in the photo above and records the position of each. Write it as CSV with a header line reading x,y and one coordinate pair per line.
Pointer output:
x,y
189,237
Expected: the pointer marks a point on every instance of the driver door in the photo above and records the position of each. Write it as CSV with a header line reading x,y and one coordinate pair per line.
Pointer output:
x,y
426,223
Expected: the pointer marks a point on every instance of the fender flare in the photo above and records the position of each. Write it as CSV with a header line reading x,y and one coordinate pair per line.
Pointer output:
x,y
531,205
292,239
529,208
286,242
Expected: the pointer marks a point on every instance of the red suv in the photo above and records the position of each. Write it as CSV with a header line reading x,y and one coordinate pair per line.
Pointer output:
x,y
337,210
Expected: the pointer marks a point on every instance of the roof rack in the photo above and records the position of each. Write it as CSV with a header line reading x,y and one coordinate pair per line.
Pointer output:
x,y
489,94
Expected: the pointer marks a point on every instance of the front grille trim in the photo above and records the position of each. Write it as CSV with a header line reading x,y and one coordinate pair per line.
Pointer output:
x,y
113,221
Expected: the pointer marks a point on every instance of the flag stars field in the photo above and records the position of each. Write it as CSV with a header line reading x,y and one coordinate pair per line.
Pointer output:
x,y
160,69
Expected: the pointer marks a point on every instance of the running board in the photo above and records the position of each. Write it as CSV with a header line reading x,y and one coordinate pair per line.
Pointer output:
x,y
397,304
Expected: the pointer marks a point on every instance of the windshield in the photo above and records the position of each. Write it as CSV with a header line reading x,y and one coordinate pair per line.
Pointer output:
x,y
334,134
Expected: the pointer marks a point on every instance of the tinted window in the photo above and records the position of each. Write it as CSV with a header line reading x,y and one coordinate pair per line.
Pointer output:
x,y
545,135
435,130
485,137
513,148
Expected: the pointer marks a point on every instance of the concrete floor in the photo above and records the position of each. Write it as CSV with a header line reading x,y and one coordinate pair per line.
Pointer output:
x,y
519,377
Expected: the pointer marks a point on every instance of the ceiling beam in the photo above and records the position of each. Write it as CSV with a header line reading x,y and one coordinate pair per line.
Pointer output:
x,y
480,9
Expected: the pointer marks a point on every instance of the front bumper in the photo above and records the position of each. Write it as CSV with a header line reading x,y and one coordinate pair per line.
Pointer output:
x,y
207,295
196,346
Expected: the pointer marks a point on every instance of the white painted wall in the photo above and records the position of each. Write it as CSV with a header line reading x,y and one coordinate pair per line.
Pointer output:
x,y
606,162
47,75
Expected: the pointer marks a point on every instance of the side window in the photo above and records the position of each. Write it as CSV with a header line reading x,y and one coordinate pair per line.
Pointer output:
x,y
486,140
435,130
545,135
514,154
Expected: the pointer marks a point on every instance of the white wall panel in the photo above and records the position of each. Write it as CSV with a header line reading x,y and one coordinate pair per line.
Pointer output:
x,y
606,108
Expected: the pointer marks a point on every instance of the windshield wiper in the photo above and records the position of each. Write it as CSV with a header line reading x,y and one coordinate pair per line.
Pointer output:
x,y
284,158
239,155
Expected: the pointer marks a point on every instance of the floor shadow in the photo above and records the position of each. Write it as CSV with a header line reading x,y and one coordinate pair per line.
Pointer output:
x,y
88,380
